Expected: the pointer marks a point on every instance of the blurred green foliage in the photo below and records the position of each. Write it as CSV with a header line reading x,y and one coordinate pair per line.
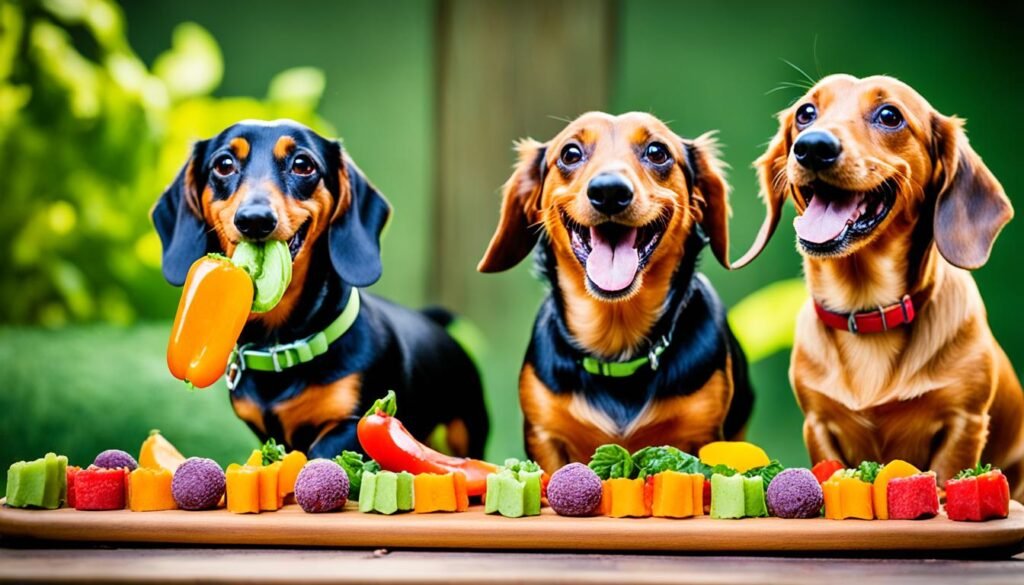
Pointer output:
x,y
89,137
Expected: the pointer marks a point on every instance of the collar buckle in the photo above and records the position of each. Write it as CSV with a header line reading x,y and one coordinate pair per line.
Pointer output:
x,y
235,368
656,350
851,324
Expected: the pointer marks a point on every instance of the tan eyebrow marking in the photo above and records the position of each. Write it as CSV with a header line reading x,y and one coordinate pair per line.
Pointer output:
x,y
284,146
240,146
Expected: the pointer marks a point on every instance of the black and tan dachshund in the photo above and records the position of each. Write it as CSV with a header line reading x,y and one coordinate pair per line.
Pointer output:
x,y
306,371
632,346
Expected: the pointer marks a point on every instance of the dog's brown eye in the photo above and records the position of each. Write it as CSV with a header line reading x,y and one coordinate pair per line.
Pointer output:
x,y
571,155
302,166
224,166
889,117
657,153
806,114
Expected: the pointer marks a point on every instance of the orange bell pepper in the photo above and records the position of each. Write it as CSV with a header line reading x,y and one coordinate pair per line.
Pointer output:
x,y
270,496
623,497
291,465
243,489
157,452
847,497
214,306
434,492
675,496
149,490
892,470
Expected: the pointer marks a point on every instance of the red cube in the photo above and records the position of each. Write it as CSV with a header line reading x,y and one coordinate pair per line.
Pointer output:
x,y
72,472
913,497
978,497
100,489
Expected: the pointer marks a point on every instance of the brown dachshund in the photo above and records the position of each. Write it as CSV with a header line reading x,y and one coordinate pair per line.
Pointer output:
x,y
893,355
632,345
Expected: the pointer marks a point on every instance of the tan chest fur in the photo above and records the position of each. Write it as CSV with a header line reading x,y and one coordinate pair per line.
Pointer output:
x,y
565,427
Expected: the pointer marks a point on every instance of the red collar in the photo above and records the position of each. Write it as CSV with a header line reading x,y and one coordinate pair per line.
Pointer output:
x,y
876,321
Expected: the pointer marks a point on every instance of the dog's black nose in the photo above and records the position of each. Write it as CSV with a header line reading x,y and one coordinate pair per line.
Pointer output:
x,y
817,149
610,193
255,221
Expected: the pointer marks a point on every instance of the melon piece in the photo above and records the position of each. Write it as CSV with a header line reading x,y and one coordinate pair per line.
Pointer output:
x,y
894,469
738,455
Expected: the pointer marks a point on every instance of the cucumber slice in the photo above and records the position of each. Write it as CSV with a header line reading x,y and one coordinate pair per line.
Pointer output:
x,y
269,264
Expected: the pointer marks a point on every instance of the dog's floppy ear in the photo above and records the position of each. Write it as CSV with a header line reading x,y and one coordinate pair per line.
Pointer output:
x,y
177,217
971,207
360,215
520,210
771,170
710,192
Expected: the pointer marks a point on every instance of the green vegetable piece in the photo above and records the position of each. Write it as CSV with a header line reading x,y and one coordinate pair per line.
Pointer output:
x,y
354,467
405,496
56,481
868,471
15,497
510,497
269,264
493,493
727,496
975,471
271,451
30,480
612,461
385,495
753,497
531,492
654,460
367,491
62,480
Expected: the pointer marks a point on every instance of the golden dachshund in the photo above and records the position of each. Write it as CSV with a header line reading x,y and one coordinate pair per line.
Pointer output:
x,y
632,345
893,355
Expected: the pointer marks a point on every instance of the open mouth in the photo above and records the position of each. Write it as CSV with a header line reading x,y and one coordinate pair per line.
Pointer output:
x,y
836,217
613,254
296,241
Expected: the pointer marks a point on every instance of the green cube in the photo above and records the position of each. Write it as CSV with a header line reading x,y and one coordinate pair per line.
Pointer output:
x,y
385,494
367,491
405,496
510,497
727,496
493,493
753,497
531,492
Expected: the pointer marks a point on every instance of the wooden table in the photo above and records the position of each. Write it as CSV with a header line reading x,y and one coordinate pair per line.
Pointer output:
x,y
35,562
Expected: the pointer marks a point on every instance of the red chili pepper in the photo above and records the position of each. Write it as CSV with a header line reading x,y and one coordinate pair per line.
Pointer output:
x,y
386,441
824,469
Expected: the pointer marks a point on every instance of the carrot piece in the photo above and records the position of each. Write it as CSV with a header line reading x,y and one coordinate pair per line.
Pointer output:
x,y
270,496
627,498
461,495
698,494
157,452
605,508
291,465
673,495
847,497
434,492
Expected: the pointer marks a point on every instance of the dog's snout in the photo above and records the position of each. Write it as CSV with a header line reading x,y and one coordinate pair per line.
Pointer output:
x,y
610,193
255,221
817,149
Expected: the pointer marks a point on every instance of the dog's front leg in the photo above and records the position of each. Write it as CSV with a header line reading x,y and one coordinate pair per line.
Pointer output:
x,y
821,445
336,437
964,437
549,453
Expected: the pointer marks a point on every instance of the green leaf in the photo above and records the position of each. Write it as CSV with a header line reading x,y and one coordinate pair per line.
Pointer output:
x,y
975,471
765,320
611,462
868,471
526,465
271,451
720,469
654,460
193,66
354,467
766,472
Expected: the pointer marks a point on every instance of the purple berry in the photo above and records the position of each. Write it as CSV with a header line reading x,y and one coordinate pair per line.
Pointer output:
x,y
795,493
322,486
115,459
574,490
198,484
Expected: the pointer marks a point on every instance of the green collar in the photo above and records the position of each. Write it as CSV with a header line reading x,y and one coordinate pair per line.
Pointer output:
x,y
596,367
277,358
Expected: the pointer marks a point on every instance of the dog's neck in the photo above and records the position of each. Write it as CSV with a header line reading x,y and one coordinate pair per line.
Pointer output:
x,y
322,298
624,329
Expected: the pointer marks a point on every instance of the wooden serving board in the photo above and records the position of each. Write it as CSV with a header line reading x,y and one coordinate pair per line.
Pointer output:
x,y
290,526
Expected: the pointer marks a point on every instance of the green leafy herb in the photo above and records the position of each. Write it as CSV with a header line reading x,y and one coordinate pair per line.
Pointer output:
x,y
654,460
271,451
515,465
720,469
354,467
975,471
612,461
766,472
868,471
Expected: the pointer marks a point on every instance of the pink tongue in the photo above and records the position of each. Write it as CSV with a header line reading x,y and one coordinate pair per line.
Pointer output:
x,y
824,220
612,269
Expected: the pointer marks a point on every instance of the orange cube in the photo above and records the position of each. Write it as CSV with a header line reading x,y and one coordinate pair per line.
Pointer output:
x,y
674,495
291,465
270,494
434,492
243,489
847,497
623,498
149,490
